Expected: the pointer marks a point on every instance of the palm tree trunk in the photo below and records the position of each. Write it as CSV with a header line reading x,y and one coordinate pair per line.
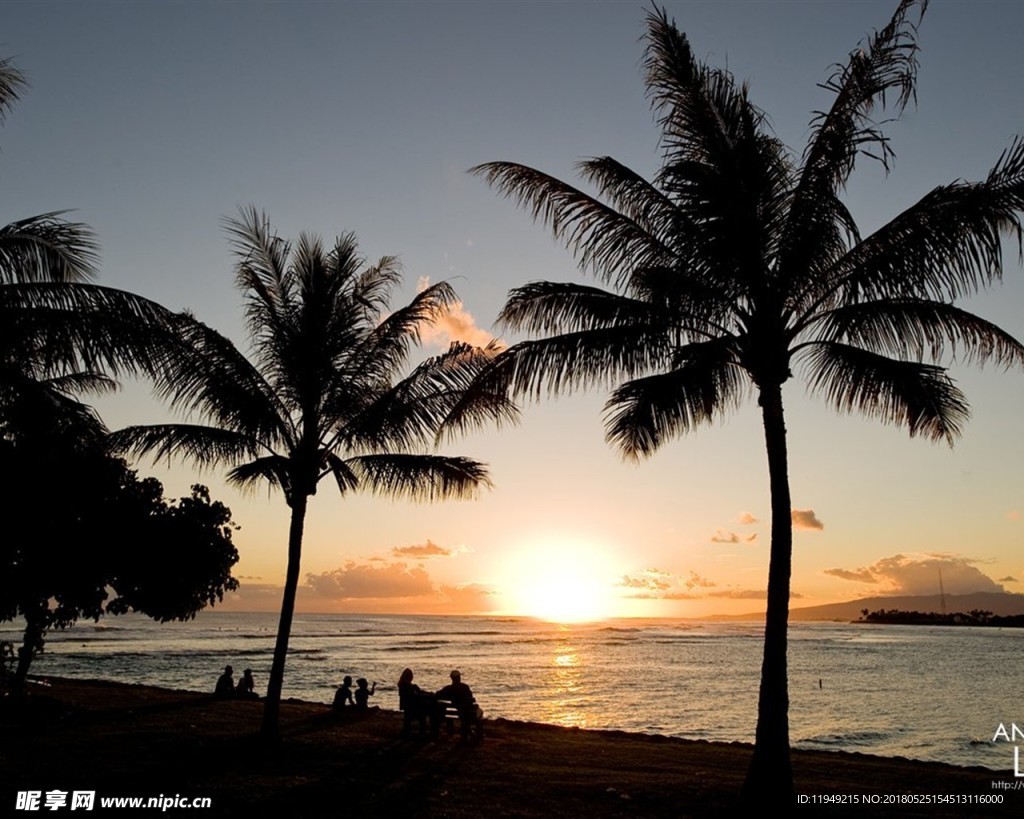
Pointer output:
x,y
770,778
32,644
270,728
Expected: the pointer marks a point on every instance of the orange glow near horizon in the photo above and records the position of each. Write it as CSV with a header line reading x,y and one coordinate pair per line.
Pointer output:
x,y
561,581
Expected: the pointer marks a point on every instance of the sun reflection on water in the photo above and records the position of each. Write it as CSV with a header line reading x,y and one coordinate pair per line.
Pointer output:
x,y
564,696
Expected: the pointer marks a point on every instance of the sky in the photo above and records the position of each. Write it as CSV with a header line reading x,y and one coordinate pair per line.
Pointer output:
x,y
155,121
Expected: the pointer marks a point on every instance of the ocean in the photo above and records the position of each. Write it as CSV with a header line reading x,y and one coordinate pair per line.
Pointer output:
x,y
930,693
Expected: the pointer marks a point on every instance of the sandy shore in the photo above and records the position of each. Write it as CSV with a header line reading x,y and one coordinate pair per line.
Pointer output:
x,y
121,740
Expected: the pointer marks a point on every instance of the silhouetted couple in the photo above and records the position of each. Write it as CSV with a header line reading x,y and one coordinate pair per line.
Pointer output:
x,y
423,707
343,697
226,688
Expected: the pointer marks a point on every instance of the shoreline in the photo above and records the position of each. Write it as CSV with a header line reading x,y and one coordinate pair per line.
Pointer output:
x,y
123,739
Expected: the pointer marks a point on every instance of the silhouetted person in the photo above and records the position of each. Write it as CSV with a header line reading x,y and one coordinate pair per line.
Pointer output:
x,y
460,695
343,696
246,688
225,684
416,704
363,694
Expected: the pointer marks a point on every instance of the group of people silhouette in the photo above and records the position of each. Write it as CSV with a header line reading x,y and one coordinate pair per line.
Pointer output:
x,y
227,689
426,708
344,697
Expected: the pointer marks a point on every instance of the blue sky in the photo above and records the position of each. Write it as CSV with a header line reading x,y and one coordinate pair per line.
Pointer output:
x,y
156,120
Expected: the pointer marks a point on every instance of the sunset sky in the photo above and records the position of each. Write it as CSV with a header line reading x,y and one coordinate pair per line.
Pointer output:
x,y
156,120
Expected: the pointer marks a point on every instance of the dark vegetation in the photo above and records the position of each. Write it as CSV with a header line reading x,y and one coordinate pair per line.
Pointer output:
x,y
83,535
975,617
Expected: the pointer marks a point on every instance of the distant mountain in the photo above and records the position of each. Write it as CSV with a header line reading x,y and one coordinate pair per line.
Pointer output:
x,y
1003,604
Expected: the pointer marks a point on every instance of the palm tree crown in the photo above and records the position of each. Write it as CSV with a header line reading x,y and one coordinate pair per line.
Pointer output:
x,y
739,263
323,393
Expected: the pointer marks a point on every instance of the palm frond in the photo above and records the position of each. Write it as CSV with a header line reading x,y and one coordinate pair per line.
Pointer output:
x,y
919,396
440,397
700,109
385,348
886,65
945,246
47,248
420,477
80,382
205,445
476,405
262,272
272,469
602,240
565,363
206,374
644,413
372,288
12,80
563,307
344,477
727,177
635,197
75,326
920,328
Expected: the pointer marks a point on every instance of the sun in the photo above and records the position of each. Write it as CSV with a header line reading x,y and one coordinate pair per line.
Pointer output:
x,y
561,581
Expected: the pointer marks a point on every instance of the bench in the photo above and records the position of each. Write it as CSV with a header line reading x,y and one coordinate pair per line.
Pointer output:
x,y
475,727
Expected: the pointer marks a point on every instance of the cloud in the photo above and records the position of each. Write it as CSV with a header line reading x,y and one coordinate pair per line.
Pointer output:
x,y
752,538
862,575
256,597
919,574
1009,579
1013,514
354,580
647,582
725,537
806,519
468,598
745,518
422,550
695,581
748,594
457,324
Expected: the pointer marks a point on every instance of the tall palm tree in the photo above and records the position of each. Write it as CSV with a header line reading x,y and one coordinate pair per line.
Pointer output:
x,y
321,396
739,262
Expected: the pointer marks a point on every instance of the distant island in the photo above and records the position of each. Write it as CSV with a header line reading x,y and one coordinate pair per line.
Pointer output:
x,y
975,617
1004,604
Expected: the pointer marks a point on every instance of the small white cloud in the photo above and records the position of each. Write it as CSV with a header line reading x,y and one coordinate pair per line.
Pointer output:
x,y
806,519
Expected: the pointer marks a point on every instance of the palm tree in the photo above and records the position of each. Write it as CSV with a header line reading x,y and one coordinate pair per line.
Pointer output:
x,y
321,396
740,262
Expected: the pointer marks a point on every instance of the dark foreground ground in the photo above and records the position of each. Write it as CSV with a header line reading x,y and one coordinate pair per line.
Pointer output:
x,y
120,740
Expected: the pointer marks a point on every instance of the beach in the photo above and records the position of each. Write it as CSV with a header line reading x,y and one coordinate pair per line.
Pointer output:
x,y
141,741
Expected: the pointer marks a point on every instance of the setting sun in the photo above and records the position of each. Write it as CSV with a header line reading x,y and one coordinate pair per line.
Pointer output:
x,y
562,581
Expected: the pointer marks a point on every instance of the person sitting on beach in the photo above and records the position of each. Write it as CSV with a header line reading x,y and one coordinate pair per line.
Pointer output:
x,y
363,694
416,704
246,688
225,684
460,695
343,696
